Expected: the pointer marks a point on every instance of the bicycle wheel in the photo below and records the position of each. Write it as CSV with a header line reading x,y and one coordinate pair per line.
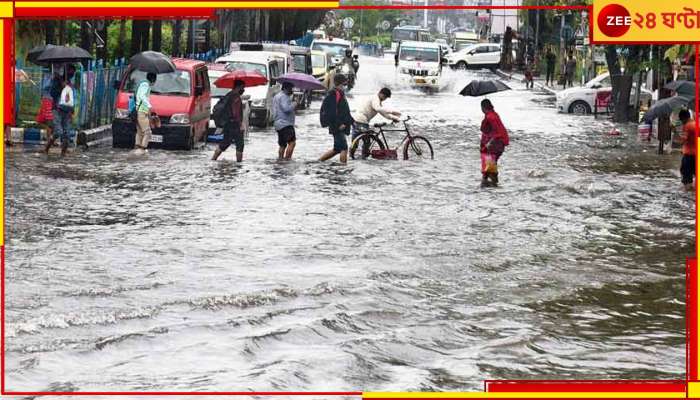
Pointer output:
x,y
417,147
363,145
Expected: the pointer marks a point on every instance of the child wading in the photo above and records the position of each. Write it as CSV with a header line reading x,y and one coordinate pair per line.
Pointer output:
x,y
494,139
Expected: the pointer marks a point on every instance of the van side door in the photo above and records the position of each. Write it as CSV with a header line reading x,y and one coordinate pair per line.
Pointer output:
x,y
202,102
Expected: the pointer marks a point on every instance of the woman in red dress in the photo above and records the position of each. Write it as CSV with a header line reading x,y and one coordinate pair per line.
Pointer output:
x,y
494,139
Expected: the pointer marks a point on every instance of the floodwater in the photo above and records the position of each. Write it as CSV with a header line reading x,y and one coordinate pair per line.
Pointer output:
x,y
177,273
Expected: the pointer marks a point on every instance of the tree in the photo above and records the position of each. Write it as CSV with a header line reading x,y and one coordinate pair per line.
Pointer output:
x,y
103,49
136,31
121,39
145,36
177,37
61,32
157,35
85,36
50,31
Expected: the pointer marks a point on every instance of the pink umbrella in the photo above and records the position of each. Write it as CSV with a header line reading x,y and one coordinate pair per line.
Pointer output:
x,y
302,81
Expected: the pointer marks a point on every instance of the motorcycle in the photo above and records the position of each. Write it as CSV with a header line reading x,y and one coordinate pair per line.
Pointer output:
x,y
348,71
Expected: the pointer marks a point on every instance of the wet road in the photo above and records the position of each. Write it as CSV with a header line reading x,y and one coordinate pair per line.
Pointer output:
x,y
177,273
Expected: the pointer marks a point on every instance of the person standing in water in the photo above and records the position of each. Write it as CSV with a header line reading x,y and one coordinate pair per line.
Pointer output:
x,y
335,114
143,113
688,138
233,107
494,139
283,110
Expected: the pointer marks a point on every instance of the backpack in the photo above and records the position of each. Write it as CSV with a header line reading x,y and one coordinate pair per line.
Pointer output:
x,y
219,114
325,117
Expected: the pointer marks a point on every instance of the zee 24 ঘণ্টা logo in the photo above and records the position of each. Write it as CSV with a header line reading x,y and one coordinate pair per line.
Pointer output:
x,y
671,20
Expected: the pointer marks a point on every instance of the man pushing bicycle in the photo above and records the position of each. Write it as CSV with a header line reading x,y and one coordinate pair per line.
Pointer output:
x,y
369,108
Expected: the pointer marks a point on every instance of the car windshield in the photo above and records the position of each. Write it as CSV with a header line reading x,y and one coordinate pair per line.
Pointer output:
x,y
299,62
172,83
317,61
247,66
419,54
604,82
215,91
331,48
464,46
404,34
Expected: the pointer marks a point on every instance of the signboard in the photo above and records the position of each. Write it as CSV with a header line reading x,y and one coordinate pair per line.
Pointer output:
x,y
348,23
634,21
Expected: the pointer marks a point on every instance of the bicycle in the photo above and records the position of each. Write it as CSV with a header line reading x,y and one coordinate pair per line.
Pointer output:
x,y
414,145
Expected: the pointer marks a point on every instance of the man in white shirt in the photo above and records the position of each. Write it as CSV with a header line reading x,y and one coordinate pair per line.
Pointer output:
x,y
369,108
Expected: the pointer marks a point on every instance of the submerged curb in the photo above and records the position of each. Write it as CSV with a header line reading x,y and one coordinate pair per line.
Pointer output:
x,y
83,138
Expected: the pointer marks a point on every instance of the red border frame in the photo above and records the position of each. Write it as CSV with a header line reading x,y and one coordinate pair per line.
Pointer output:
x,y
489,385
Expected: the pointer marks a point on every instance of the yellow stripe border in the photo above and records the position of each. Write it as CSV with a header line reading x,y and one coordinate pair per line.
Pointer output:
x,y
180,4
524,395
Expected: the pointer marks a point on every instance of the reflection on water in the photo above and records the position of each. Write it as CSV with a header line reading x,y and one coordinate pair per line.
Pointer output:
x,y
174,272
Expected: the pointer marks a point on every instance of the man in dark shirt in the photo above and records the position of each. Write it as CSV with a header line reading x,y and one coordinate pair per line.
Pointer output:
x,y
336,108
550,59
232,129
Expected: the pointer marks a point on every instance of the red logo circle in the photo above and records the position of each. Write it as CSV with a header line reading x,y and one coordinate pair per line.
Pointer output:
x,y
614,20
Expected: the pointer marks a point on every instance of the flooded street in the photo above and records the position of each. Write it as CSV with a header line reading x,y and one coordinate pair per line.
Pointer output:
x,y
177,273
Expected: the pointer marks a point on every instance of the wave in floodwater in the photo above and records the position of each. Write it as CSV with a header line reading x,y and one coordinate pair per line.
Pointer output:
x,y
177,273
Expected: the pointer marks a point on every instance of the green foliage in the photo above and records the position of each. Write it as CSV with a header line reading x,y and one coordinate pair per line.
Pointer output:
x,y
367,20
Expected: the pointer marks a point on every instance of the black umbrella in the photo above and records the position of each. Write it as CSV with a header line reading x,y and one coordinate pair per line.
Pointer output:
x,y
684,88
152,61
480,88
63,54
33,54
664,107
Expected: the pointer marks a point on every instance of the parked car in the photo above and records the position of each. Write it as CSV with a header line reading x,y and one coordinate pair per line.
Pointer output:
x,y
269,64
480,55
182,100
581,100
215,71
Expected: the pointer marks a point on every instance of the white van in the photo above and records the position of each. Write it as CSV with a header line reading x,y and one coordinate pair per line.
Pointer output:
x,y
419,64
269,64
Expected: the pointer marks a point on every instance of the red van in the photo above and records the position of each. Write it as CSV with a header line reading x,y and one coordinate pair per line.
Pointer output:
x,y
181,99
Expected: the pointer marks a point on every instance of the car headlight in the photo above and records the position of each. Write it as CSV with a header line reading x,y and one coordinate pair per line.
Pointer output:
x,y
433,72
180,119
258,103
121,113
403,70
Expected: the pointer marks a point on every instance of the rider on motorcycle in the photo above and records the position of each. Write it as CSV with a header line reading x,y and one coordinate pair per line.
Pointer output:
x,y
348,68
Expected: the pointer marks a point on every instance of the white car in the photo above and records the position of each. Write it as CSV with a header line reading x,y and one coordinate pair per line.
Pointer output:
x,y
216,71
482,55
419,64
581,100
268,64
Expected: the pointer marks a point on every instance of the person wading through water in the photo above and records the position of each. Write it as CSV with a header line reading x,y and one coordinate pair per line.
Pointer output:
x,y
233,107
494,139
335,115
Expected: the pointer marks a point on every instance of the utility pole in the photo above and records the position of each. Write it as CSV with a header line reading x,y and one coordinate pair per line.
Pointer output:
x,y
425,15
361,25
537,28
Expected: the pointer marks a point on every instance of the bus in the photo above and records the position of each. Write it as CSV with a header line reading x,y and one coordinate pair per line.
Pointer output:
x,y
408,32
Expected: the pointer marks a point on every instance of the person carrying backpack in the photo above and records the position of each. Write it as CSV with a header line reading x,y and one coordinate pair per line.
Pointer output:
x,y
335,115
228,113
